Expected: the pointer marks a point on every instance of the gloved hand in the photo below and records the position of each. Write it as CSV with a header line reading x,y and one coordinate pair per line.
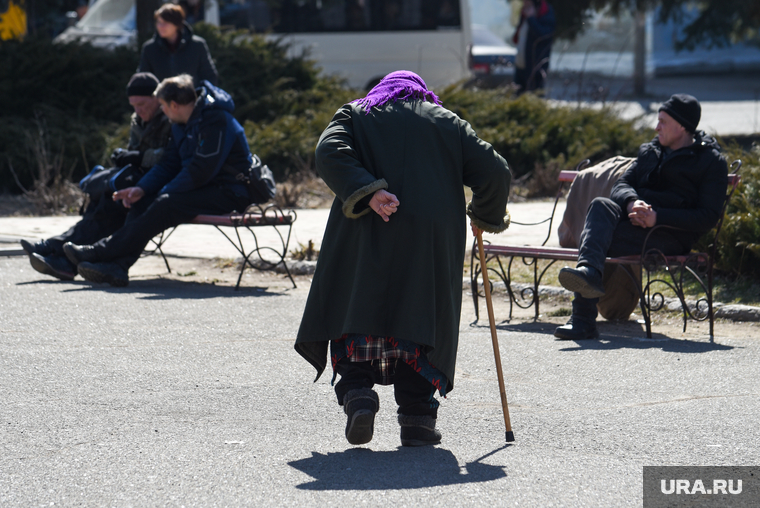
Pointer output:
x,y
121,157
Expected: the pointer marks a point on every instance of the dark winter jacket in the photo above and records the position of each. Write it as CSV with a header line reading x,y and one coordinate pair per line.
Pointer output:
x,y
211,148
190,57
686,187
401,278
149,138
540,35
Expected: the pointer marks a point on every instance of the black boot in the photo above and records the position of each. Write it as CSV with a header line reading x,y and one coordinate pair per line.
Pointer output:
x,y
360,405
79,253
577,328
584,280
56,266
418,430
111,273
42,247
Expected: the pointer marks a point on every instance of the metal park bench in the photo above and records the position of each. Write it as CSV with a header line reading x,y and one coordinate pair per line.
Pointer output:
x,y
255,216
678,270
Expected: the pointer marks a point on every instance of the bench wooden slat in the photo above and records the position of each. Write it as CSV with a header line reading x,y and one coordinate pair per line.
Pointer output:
x,y
238,220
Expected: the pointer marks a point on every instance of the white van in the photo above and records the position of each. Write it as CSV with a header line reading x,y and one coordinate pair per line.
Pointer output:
x,y
359,40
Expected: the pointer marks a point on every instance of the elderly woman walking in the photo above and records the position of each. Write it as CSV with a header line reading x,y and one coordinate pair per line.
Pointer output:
x,y
387,292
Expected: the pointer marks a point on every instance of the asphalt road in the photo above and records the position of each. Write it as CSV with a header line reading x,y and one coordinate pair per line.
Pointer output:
x,y
168,393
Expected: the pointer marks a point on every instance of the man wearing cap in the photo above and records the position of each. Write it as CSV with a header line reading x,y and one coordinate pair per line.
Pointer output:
x,y
149,134
679,179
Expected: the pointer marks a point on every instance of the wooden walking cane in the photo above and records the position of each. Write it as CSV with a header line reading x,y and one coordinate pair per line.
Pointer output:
x,y
510,436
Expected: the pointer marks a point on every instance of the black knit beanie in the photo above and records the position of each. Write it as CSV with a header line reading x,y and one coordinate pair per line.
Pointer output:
x,y
142,83
684,109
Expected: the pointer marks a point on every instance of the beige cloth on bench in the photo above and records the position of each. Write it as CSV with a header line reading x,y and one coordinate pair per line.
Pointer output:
x,y
621,293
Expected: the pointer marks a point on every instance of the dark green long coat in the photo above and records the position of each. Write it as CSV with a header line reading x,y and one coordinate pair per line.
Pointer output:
x,y
401,278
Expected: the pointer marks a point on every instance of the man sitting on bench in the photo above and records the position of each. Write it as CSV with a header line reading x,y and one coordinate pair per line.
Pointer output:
x,y
679,179
148,135
198,174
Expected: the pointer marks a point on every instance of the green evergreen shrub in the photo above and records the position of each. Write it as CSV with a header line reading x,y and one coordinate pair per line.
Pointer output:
x,y
739,241
535,135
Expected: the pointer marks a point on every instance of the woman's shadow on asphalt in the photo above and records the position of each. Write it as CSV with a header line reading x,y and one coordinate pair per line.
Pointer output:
x,y
404,468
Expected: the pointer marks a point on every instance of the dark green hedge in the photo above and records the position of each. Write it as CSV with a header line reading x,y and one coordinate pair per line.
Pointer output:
x,y
74,96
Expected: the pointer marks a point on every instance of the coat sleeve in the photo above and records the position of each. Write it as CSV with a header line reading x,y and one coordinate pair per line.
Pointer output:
x,y
488,175
144,65
163,172
207,68
339,166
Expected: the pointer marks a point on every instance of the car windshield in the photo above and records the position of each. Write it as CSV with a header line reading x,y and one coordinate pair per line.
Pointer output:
x,y
110,15
482,36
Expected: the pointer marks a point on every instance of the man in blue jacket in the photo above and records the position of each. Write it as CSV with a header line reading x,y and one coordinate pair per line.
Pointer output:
x,y
198,174
679,179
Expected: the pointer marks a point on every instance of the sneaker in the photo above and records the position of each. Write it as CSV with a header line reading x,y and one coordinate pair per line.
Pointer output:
x,y
584,280
360,406
56,266
79,253
418,430
42,248
577,329
110,273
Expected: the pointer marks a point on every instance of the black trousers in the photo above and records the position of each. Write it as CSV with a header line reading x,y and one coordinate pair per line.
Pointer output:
x,y
607,232
102,218
414,394
155,213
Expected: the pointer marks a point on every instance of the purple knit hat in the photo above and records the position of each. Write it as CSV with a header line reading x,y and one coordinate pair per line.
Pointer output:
x,y
398,85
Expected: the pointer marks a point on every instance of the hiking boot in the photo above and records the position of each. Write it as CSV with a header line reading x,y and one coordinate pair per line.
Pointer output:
x,y
55,266
418,430
584,280
577,329
79,253
360,405
42,248
110,273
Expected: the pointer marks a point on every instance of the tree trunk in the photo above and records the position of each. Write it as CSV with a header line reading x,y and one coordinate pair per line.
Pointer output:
x,y
146,25
640,52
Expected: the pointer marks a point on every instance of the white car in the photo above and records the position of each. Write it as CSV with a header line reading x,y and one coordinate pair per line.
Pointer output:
x,y
492,60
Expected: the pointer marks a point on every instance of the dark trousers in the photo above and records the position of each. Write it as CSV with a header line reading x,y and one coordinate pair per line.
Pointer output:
x,y
607,232
158,212
414,394
526,83
102,218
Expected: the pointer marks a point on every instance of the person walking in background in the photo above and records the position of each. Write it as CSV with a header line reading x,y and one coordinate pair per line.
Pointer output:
x,y
533,38
387,291
174,50
149,133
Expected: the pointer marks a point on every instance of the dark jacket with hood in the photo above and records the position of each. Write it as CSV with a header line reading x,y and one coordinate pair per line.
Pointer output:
x,y
190,57
686,187
211,148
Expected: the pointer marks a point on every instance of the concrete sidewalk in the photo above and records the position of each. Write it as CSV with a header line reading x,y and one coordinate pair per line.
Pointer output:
x,y
190,240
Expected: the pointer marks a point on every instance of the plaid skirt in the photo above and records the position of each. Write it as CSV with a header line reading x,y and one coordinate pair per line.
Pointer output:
x,y
384,352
